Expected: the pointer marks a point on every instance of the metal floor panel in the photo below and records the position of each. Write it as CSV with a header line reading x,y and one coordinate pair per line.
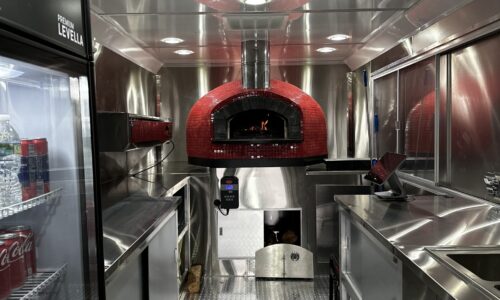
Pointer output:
x,y
247,288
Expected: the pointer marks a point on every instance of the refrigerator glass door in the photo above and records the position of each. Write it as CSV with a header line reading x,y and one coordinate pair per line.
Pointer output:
x,y
49,110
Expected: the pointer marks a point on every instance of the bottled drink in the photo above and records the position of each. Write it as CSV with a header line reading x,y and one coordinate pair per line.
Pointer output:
x,y
10,163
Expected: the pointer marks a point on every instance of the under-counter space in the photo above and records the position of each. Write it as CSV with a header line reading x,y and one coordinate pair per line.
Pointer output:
x,y
406,229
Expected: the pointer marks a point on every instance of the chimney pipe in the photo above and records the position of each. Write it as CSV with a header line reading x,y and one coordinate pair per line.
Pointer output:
x,y
255,63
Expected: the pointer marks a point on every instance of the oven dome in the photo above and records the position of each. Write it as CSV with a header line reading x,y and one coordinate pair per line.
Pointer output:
x,y
236,127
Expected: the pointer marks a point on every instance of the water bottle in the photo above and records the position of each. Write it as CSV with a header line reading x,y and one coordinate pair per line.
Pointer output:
x,y
10,163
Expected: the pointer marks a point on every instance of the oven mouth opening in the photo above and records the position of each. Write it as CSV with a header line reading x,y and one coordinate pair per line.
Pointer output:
x,y
256,120
257,126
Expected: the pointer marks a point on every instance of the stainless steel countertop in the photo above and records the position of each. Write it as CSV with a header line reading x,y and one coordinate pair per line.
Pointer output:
x,y
129,223
139,207
406,228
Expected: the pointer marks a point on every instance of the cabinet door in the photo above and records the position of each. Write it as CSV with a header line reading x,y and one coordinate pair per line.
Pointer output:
x,y
46,96
163,264
366,265
240,234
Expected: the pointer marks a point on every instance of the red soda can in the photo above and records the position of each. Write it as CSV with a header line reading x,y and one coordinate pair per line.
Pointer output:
x,y
28,246
5,288
27,147
14,243
27,173
42,165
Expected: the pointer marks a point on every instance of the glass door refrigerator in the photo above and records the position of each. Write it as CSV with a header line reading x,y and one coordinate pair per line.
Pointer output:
x,y
48,247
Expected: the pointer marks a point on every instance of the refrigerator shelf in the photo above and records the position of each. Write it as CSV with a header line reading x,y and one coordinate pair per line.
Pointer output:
x,y
8,211
38,285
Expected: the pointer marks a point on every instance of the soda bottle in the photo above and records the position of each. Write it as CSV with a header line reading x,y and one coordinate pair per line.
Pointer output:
x,y
10,163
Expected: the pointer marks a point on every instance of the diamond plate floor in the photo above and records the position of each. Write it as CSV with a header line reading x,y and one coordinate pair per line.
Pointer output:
x,y
247,288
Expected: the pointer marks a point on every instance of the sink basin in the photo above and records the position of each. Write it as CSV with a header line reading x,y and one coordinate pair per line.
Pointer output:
x,y
484,265
478,266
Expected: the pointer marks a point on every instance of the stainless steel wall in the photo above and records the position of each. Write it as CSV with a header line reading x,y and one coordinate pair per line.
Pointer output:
x,y
464,71
181,87
359,107
417,90
122,86
385,96
475,115
404,101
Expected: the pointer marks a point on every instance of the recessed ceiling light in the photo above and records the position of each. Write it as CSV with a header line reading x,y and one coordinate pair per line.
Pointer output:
x,y
339,37
326,49
183,52
172,40
255,2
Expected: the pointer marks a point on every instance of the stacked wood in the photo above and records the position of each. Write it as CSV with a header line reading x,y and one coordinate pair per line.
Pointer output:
x,y
194,279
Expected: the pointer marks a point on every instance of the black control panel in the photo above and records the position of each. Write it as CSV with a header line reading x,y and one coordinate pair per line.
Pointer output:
x,y
229,195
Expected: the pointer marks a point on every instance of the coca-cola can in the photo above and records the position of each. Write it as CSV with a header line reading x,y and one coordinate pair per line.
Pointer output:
x,y
28,246
27,147
28,170
14,243
42,165
5,288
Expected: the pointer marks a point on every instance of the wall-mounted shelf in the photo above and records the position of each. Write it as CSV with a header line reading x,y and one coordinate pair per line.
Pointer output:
x,y
38,285
8,211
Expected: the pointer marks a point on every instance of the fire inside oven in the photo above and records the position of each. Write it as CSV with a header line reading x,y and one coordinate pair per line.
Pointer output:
x,y
257,124
255,119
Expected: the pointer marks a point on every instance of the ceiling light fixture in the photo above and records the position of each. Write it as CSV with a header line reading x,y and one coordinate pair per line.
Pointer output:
x,y
183,52
339,37
255,2
326,49
172,40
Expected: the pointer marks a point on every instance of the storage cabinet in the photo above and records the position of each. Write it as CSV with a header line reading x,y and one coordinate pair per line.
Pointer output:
x,y
162,257
366,265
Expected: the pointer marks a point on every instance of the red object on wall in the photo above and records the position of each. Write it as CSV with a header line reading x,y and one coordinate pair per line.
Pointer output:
x,y
203,150
149,131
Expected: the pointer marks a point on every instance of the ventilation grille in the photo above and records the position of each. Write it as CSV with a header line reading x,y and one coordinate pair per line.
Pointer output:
x,y
255,21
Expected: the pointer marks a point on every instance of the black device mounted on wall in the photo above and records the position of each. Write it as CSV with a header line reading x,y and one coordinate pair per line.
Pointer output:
x,y
229,194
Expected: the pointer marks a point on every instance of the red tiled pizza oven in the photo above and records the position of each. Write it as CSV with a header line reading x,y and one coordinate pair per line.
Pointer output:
x,y
236,127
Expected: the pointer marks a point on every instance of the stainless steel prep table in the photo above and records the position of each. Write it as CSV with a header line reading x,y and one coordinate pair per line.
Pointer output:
x,y
406,228
140,207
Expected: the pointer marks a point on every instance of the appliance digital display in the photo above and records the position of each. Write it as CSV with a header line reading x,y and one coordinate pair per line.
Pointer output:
x,y
384,168
229,187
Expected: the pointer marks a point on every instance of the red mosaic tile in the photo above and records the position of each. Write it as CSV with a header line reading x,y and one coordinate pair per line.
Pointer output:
x,y
199,133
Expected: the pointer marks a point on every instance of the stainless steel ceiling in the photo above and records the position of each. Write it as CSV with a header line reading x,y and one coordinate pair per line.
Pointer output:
x,y
201,24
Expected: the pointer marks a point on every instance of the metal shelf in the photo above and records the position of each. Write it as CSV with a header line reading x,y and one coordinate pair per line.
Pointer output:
x,y
38,285
8,211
